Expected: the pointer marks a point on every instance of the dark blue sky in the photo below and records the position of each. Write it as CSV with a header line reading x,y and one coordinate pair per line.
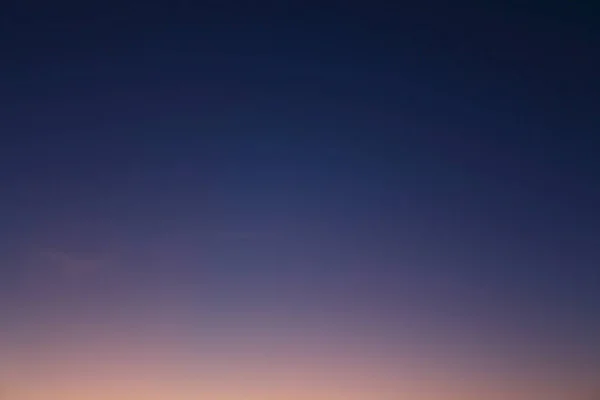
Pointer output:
x,y
434,164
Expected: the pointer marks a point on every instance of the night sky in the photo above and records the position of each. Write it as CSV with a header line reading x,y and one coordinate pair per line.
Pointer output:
x,y
294,201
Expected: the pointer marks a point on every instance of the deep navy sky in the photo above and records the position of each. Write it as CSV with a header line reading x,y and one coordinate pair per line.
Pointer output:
x,y
435,162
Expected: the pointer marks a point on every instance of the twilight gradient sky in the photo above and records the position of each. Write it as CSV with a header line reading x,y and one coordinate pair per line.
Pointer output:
x,y
292,202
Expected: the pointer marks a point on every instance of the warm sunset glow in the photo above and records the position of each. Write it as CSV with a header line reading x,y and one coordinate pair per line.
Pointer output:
x,y
93,368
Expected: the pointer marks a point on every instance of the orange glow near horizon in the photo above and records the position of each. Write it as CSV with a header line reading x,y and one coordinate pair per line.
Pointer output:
x,y
149,356
138,369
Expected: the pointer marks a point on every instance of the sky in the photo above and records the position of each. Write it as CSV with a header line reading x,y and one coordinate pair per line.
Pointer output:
x,y
295,201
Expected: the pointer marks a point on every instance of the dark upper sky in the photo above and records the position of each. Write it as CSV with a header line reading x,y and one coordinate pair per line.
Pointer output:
x,y
434,164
